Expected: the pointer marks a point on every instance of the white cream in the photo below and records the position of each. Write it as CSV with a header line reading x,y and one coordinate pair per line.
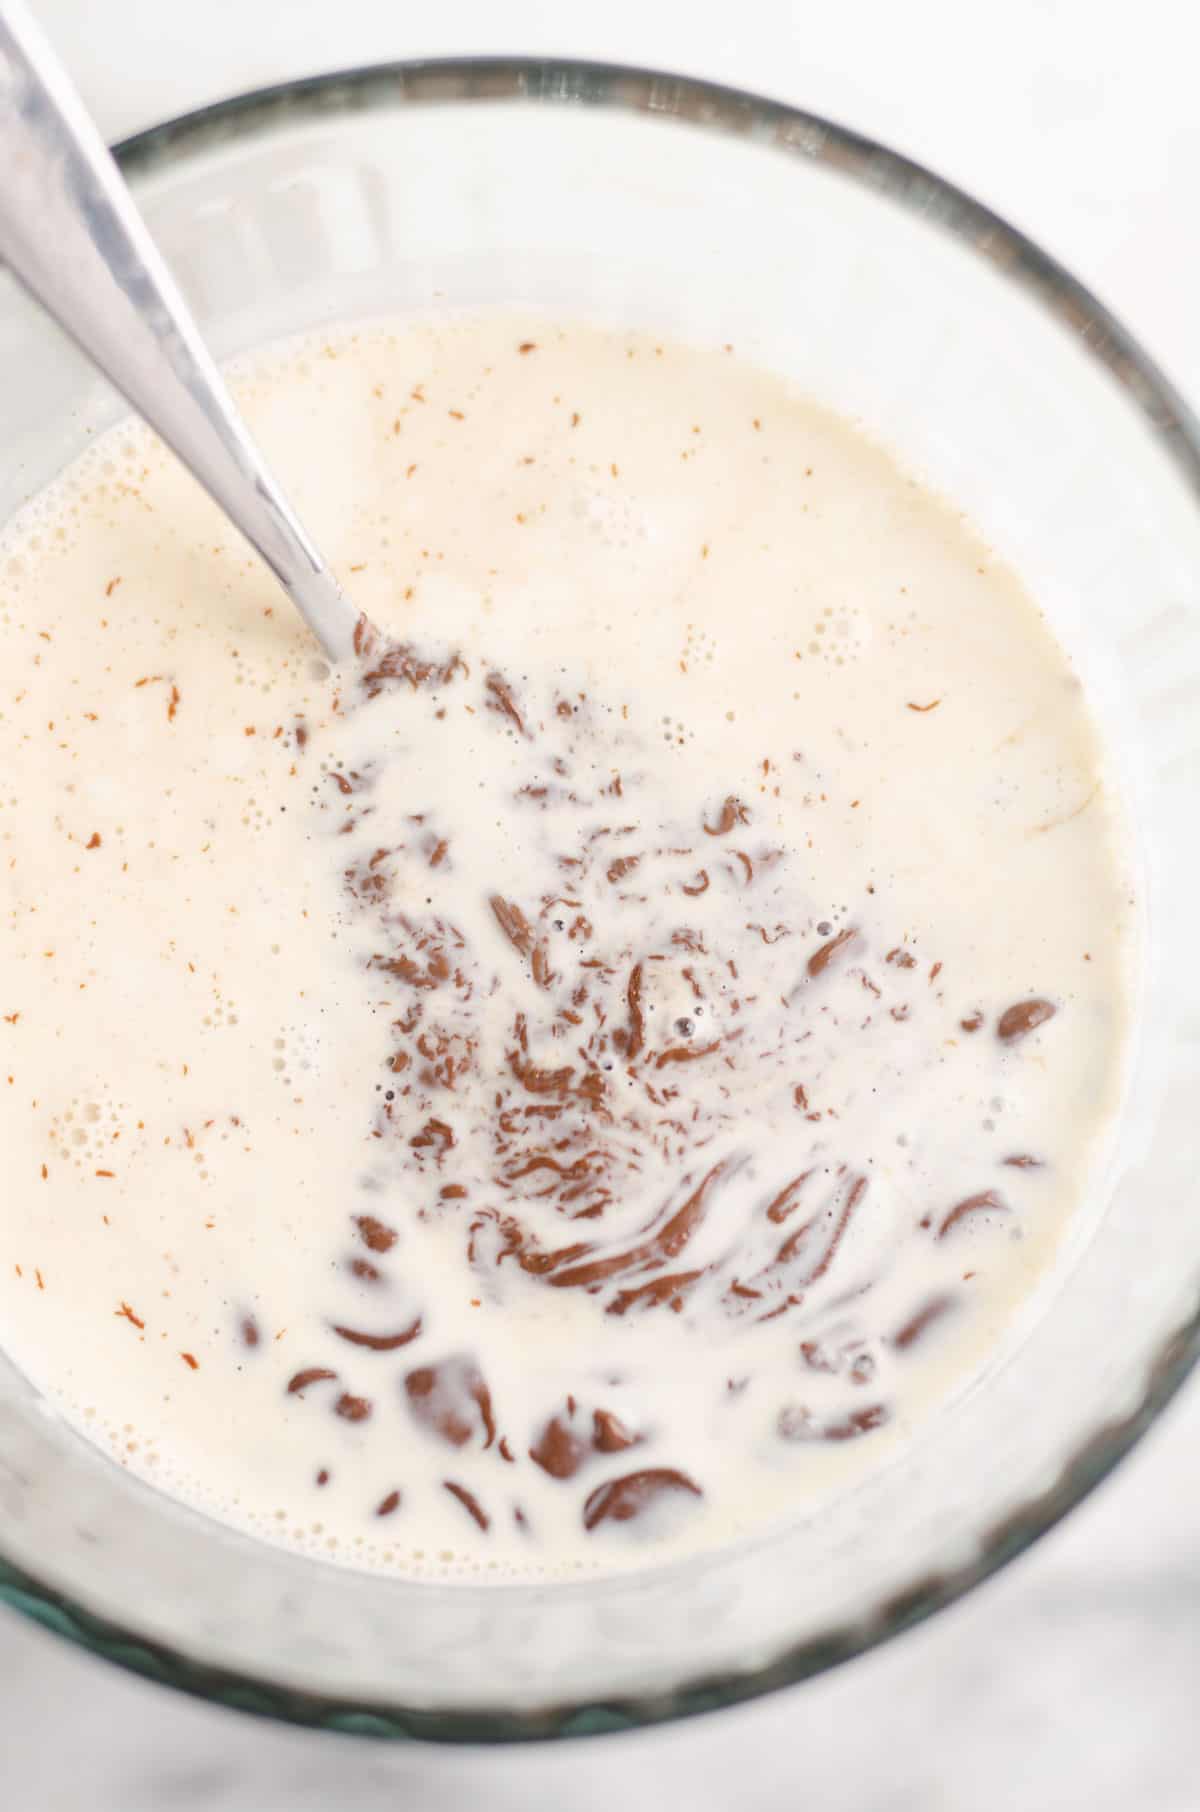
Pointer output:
x,y
700,624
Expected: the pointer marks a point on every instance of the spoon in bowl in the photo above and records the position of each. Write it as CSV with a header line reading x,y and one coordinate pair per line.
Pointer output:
x,y
69,231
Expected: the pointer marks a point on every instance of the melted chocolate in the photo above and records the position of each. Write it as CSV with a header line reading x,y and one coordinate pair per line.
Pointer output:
x,y
600,1072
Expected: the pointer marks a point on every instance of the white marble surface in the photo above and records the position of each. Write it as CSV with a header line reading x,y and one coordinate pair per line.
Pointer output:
x,y
1072,1681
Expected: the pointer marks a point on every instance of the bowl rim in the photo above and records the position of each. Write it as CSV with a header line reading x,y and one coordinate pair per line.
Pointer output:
x,y
710,106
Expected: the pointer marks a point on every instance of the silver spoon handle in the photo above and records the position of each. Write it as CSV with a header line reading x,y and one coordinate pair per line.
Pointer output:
x,y
71,234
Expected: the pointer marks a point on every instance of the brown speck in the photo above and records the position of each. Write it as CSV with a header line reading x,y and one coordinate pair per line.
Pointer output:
x,y
105,1173
190,1360
112,586
93,841
931,706
389,1503
129,1315
527,346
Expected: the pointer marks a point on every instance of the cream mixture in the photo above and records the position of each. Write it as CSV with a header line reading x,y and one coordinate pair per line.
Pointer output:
x,y
594,1075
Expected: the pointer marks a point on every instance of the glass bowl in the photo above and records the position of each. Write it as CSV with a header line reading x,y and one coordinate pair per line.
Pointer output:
x,y
651,201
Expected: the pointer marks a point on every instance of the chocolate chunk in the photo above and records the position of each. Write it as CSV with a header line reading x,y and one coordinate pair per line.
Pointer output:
x,y
624,865
513,924
924,1318
314,1374
820,959
352,1409
609,1433
624,1498
732,812
797,1423
452,1400
375,1235
380,1343
469,1502
1024,1017
861,1422
558,1450
500,699
987,1201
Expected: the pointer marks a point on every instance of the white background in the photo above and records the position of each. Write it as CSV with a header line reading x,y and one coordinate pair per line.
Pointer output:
x,y
1074,1680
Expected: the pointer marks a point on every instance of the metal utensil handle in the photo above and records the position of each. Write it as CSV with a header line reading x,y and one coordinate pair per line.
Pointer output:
x,y
71,234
